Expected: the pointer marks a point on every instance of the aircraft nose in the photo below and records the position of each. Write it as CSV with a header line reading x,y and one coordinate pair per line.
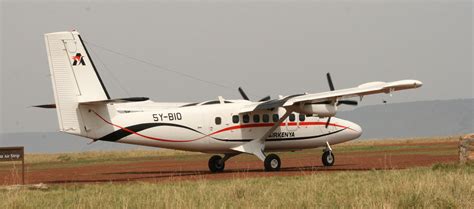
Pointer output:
x,y
355,130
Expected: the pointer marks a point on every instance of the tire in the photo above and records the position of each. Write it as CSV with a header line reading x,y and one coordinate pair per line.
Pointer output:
x,y
214,165
272,163
328,158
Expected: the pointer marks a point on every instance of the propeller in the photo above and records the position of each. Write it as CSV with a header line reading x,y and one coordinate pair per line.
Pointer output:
x,y
331,85
337,102
244,96
242,93
265,99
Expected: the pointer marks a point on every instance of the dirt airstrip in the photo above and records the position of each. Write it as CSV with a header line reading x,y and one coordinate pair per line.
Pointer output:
x,y
194,167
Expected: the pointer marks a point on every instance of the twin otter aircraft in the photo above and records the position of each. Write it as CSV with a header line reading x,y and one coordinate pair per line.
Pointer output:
x,y
226,127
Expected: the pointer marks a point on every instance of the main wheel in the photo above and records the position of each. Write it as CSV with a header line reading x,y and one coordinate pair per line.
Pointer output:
x,y
328,158
272,163
215,165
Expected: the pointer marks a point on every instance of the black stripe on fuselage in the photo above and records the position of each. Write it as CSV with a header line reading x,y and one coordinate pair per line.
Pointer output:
x,y
122,133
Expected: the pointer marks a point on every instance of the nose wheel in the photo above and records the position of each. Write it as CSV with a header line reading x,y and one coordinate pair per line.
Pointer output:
x,y
328,158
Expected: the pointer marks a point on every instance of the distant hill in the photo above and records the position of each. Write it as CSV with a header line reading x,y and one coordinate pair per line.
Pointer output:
x,y
54,142
414,119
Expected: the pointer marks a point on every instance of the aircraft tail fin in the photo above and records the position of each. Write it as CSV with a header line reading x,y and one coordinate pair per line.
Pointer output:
x,y
74,77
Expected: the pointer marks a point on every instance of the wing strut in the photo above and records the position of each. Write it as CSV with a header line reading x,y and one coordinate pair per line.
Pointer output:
x,y
257,145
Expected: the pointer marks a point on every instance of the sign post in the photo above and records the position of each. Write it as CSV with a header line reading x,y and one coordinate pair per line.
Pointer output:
x,y
14,154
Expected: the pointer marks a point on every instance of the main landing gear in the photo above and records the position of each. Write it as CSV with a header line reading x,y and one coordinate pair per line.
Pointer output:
x,y
272,162
217,163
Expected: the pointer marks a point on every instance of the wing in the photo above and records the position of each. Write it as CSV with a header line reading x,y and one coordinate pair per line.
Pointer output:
x,y
331,96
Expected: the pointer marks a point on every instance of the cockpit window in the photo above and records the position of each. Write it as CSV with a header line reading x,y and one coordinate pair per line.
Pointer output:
x,y
211,102
189,105
215,102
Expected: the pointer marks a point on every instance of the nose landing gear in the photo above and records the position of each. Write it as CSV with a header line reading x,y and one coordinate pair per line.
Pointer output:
x,y
217,163
328,157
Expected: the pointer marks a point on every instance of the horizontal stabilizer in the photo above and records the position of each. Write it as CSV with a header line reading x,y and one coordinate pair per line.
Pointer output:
x,y
120,100
46,106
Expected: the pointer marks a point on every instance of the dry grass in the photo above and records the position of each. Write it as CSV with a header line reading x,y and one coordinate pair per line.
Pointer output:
x,y
442,186
102,155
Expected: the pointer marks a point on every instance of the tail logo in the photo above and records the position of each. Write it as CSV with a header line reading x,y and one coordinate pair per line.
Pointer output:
x,y
78,60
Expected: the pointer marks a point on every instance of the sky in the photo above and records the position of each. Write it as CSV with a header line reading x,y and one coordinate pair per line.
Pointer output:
x,y
267,47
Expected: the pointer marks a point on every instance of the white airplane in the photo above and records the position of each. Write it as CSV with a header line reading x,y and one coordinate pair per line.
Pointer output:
x,y
226,127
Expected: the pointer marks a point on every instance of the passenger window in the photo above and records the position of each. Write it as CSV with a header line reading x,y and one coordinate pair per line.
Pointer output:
x,y
302,117
292,117
246,118
218,120
256,118
235,119
266,118
275,117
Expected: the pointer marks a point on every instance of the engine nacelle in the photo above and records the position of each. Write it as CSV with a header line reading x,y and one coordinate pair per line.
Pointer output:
x,y
321,110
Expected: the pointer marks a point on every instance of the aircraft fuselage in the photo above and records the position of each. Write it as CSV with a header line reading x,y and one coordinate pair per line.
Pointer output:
x,y
215,128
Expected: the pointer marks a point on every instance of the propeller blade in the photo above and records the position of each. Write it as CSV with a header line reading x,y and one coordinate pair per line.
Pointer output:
x,y
327,123
242,93
331,85
348,102
265,99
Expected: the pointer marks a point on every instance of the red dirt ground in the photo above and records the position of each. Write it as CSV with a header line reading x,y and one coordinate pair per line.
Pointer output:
x,y
241,166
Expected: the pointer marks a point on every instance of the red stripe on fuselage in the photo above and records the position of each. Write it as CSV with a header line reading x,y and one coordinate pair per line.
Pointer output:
x,y
257,125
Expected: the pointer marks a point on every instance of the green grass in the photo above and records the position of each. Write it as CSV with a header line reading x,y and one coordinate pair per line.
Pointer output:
x,y
441,186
